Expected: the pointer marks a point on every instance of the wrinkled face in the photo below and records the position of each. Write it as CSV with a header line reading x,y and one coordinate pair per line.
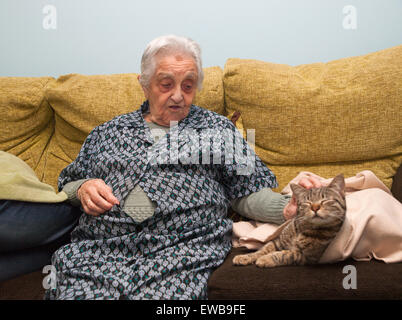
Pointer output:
x,y
172,89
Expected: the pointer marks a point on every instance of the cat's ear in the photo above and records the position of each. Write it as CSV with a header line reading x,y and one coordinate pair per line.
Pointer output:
x,y
297,189
339,183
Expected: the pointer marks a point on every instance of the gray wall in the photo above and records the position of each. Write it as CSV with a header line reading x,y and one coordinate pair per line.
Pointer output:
x,y
55,37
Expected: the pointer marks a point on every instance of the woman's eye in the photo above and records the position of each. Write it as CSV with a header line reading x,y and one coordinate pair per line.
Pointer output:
x,y
187,86
165,83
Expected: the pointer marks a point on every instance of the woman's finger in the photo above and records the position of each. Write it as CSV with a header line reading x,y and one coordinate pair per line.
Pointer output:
x,y
101,202
108,195
91,208
316,183
310,182
305,182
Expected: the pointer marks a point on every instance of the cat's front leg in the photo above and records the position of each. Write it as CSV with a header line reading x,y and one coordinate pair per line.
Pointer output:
x,y
280,258
244,259
249,258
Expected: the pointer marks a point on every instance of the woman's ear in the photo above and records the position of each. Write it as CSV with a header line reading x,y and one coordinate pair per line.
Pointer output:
x,y
144,89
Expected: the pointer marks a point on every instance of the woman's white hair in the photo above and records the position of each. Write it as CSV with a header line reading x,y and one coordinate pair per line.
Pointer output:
x,y
166,45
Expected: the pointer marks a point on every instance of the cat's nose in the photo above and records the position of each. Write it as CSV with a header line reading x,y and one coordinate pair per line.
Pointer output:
x,y
315,207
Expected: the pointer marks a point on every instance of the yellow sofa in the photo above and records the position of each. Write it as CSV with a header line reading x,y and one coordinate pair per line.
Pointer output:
x,y
341,116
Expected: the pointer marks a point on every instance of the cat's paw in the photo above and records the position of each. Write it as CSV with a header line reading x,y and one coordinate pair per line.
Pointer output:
x,y
242,260
266,262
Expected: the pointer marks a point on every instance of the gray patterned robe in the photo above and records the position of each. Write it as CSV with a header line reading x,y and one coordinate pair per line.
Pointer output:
x,y
171,254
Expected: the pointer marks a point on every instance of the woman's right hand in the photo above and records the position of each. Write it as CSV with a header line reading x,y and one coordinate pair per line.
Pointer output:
x,y
96,197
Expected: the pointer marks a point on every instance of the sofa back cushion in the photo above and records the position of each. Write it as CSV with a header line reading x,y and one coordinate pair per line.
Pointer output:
x,y
26,121
83,102
341,116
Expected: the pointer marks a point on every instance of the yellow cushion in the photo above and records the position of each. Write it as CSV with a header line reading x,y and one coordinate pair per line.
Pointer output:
x,y
340,116
83,102
19,182
26,122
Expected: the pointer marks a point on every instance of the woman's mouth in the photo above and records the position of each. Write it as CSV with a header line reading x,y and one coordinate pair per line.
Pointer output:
x,y
175,107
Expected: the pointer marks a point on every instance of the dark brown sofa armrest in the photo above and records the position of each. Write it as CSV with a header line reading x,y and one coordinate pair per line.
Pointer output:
x,y
396,188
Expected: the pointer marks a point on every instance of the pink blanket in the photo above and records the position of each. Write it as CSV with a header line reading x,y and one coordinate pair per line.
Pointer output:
x,y
372,228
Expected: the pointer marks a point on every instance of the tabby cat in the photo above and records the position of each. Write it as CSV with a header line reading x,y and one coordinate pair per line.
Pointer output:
x,y
320,214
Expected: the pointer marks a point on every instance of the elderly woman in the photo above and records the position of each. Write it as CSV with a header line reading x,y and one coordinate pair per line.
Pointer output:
x,y
157,230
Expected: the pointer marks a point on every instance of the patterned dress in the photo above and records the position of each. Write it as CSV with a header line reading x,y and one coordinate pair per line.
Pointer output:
x,y
171,254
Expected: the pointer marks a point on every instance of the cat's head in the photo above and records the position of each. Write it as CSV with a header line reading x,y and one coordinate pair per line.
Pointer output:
x,y
324,204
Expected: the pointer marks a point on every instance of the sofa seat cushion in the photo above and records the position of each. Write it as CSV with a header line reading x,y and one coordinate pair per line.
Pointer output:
x,y
374,280
26,287
83,102
341,116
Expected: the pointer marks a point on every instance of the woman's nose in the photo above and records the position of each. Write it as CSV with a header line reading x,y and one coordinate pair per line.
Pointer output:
x,y
177,95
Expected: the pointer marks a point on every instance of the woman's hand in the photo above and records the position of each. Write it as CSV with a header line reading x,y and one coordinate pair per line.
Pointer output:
x,y
290,209
96,197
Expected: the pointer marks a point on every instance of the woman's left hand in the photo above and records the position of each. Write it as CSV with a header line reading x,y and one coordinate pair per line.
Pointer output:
x,y
290,209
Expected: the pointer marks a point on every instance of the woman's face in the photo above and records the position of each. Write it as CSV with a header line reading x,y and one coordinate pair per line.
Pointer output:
x,y
172,89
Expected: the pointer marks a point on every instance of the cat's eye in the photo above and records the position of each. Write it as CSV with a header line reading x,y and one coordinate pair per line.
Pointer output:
x,y
305,205
328,202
